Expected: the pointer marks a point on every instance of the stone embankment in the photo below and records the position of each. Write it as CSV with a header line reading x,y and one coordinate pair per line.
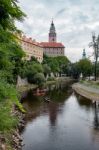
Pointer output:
x,y
16,136
89,92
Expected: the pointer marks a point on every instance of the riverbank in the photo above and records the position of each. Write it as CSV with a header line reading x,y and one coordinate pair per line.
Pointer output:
x,y
11,117
25,88
67,116
22,89
16,135
89,90
11,140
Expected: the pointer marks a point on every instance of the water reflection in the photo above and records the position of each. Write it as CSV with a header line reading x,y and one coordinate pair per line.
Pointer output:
x,y
69,121
96,117
83,102
35,105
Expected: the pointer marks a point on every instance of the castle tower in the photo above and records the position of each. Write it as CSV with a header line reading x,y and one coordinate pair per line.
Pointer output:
x,y
52,33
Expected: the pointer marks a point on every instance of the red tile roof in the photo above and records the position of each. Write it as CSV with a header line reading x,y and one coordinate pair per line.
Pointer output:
x,y
52,44
30,41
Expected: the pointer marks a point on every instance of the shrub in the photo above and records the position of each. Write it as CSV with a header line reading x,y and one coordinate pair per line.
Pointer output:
x,y
39,78
51,79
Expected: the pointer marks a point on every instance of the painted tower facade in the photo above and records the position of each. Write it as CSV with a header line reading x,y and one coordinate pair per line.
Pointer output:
x,y
52,48
52,33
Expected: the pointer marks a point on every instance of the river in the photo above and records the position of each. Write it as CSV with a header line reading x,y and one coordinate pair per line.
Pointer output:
x,y
68,122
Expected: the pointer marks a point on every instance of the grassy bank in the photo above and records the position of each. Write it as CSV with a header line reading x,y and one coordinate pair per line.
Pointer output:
x,y
94,84
27,87
8,120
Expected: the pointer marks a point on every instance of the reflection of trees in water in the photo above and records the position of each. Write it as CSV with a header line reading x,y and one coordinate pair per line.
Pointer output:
x,y
83,102
96,116
32,105
53,110
95,129
59,93
88,104
36,106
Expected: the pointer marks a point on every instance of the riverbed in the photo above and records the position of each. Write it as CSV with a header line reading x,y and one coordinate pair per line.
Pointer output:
x,y
67,122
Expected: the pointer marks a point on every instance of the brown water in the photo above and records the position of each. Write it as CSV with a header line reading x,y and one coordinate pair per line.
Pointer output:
x,y
68,122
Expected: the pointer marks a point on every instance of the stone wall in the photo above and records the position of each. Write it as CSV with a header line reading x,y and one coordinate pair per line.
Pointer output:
x,y
21,82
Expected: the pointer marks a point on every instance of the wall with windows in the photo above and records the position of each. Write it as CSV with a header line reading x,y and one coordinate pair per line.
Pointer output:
x,y
32,48
54,51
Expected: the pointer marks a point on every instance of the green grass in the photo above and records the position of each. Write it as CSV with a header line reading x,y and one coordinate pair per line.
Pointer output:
x,y
8,121
94,84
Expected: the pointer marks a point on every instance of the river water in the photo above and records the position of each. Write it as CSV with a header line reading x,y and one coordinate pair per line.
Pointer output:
x,y
68,122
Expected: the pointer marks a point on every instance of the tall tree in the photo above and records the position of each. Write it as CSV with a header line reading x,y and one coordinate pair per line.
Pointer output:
x,y
85,67
9,12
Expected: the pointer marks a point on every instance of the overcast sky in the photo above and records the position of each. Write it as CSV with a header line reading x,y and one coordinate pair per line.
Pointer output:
x,y
75,20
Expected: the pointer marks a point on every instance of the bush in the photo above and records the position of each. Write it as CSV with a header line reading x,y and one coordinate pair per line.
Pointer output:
x,y
51,79
39,78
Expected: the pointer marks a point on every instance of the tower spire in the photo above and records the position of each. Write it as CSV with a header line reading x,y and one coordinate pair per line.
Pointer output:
x,y
84,54
52,32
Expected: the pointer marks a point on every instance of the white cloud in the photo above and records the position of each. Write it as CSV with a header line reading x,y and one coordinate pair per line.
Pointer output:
x,y
75,20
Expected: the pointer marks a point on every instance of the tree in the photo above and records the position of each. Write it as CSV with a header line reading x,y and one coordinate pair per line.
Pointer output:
x,y
63,63
10,59
57,64
75,70
85,67
10,52
30,69
39,79
10,56
46,69
95,45
9,12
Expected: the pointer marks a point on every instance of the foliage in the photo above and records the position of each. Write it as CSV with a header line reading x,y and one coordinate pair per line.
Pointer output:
x,y
97,72
46,70
7,122
9,12
10,57
39,79
63,63
32,70
75,72
34,59
57,64
85,67
50,79
8,97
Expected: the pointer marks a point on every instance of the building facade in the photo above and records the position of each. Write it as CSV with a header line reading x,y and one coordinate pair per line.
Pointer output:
x,y
31,48
53,48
